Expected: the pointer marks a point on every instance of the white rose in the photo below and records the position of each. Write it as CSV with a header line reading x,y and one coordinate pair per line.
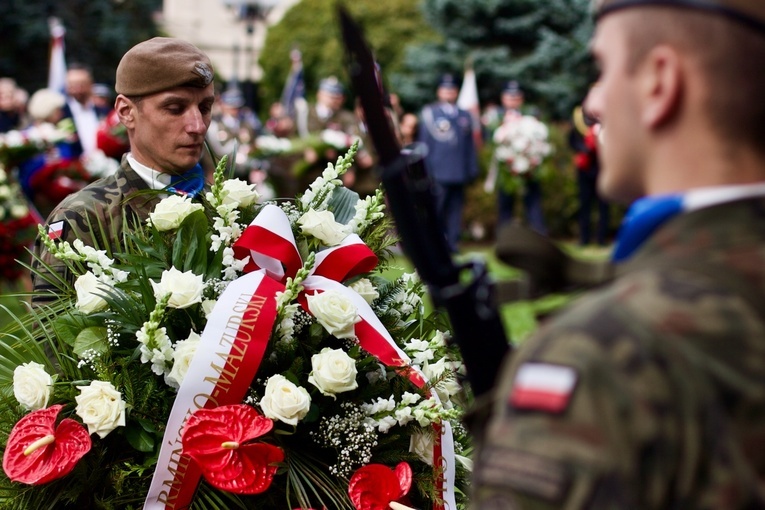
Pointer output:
x,y
88,287
365,289
101,408
322,225
333,372
171,211
32,385
182,356
207,306
335,312
421,444
239,193
185,288
284,400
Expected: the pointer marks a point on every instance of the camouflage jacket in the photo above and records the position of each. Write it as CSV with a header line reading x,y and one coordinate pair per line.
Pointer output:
x,y
648,393
98,215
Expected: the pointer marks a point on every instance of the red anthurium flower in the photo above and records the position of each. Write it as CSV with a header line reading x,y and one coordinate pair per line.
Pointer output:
x,y
38,453
375,486
215,439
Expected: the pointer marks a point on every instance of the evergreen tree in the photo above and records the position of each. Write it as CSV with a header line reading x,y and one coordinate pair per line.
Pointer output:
x,y
543,45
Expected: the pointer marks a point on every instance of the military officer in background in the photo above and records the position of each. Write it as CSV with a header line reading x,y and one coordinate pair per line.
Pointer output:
x,y
649,393
164,98
451,160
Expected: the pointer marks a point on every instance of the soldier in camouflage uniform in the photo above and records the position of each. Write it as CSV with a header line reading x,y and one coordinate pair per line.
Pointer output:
x,y
649,393
165,97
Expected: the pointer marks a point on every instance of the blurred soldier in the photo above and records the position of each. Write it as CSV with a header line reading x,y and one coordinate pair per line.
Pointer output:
x,y
451,161
650,392
332,124
166,114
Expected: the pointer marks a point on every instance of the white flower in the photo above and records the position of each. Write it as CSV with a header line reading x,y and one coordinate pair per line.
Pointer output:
x,y
239,193
333,372
285,401
322,225
421,444
335,312
207,306
101,408
19,211
32,385
185,288
171,211
88,287
365,289
182,355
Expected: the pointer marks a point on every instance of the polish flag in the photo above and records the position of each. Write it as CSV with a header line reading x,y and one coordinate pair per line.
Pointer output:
x,y
56,230
57,63
543,387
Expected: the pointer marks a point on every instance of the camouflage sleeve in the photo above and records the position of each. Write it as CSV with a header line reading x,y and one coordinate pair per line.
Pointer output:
x,y
601,409
50,275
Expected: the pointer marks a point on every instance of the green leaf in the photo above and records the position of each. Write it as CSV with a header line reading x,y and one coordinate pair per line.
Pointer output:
x,y
93,338
191,245
343,204
140,439
67,327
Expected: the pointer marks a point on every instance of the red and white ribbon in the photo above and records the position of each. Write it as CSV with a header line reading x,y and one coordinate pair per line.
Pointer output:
x,y
237,334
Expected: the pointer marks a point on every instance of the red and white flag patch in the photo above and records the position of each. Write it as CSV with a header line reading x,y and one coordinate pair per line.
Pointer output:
x,y
543,387
56,230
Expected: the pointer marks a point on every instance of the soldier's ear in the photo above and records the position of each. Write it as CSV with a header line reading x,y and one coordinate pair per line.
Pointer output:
x,y
125,109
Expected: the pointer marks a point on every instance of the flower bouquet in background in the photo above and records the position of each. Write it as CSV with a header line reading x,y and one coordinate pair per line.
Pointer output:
x,y
522,144
17,146
18,226
236,355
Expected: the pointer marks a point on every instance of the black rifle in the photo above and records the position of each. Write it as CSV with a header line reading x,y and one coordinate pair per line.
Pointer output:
x,y
464,291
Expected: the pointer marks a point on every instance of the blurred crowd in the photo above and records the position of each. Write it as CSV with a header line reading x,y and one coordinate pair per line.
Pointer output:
x,y
287,147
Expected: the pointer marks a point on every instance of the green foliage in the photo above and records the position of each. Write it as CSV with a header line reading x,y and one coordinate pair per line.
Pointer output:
x,y
541,44
311,26
98,32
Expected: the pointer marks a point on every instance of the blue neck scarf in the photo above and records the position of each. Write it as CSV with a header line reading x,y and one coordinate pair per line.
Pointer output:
x,y
642,219
190,183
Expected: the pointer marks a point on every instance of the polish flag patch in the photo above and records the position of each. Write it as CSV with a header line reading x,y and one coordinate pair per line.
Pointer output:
x,y
56,230
543,387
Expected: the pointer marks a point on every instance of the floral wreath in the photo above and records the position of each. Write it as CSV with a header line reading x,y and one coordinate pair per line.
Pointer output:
x,y
236,355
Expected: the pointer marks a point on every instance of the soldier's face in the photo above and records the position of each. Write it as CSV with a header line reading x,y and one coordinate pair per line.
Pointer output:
x,y
615,102
168,128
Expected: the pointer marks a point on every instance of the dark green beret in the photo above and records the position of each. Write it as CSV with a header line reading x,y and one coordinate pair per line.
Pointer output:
x,y
161,64
749,12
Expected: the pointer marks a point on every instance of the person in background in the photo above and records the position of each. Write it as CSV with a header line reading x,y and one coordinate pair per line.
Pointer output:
x,y
164,98
451,160
48,178
334,126
649,392
583,140
81,108
10,113
508,182
407,128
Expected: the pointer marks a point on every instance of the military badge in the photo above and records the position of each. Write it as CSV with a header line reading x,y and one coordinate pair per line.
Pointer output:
x,y
203,70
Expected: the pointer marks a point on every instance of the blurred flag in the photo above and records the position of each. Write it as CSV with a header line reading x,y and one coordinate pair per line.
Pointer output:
x,y
57,65
468,100
294,87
